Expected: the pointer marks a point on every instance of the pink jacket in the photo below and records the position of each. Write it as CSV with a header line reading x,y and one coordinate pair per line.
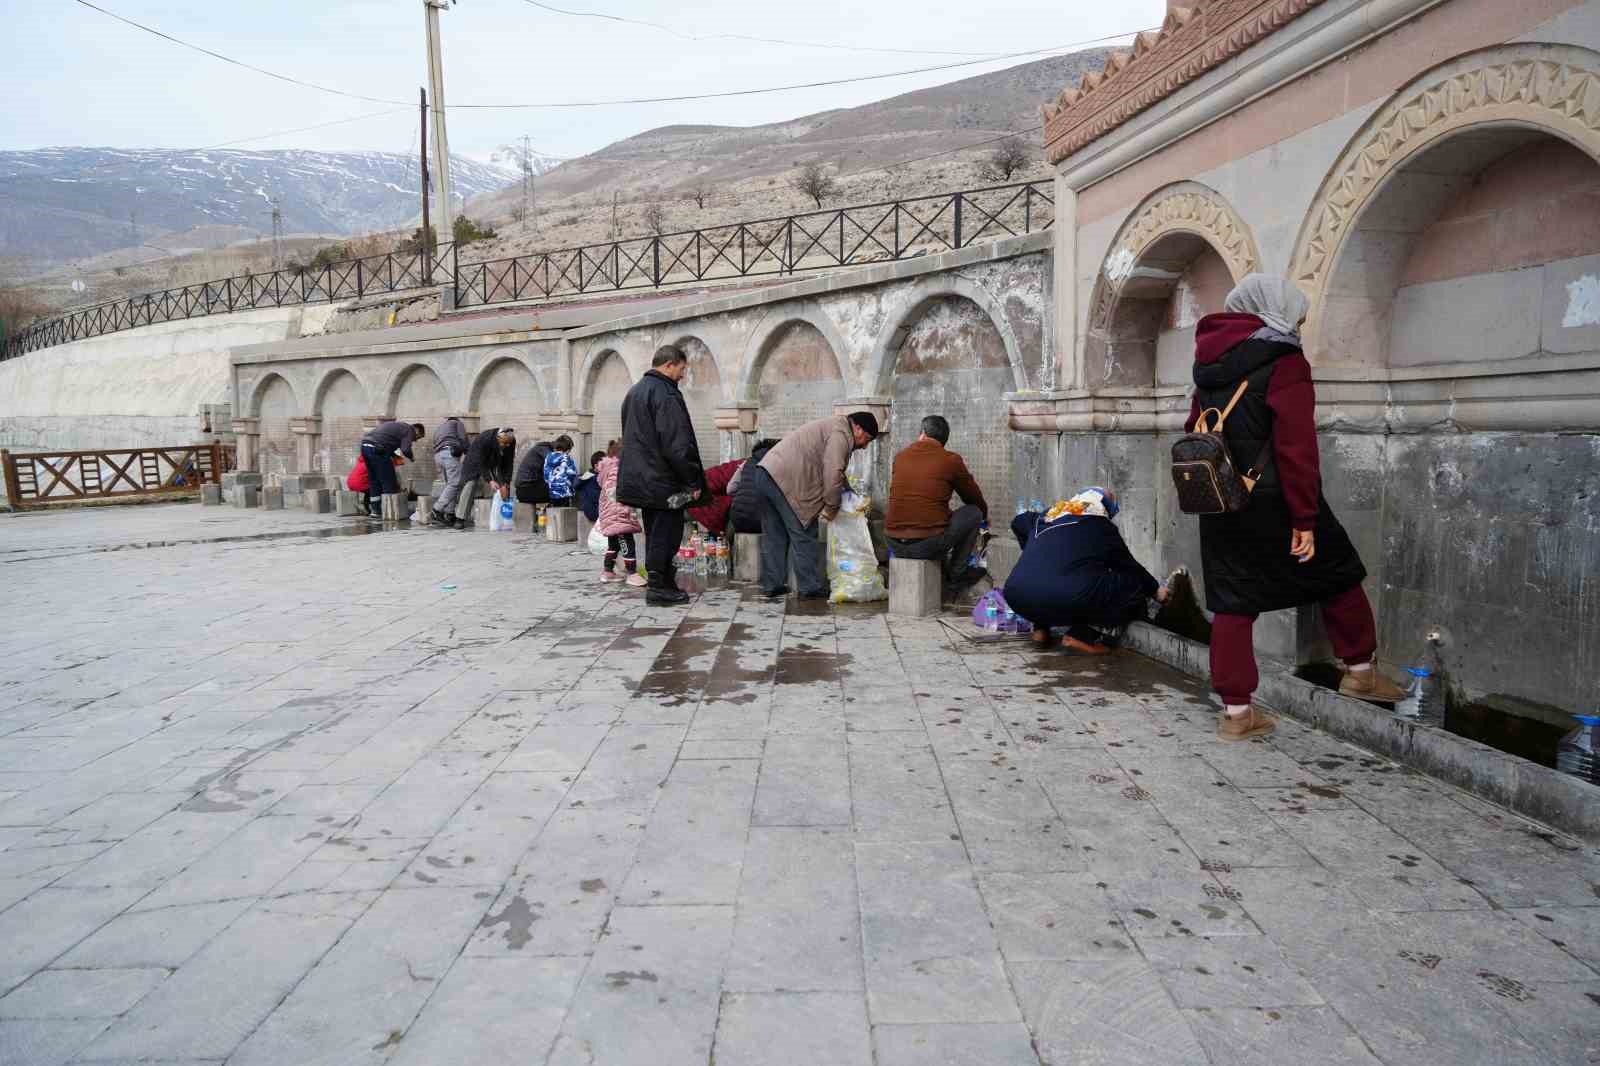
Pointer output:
x,y
615,518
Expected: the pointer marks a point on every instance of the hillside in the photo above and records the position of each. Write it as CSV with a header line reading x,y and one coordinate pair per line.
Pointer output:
x,y
63,204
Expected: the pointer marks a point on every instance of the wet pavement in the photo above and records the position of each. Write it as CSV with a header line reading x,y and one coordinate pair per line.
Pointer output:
x,y
440,797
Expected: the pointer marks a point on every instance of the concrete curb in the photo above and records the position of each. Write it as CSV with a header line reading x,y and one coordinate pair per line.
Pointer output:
x,y
1535,791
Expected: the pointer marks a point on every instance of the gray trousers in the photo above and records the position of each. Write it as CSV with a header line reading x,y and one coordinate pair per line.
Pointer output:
x,y
468,492
450,467
952,547
781,533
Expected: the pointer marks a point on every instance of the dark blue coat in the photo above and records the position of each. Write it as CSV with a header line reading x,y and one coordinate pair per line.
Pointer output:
x,y
1075,570
589,497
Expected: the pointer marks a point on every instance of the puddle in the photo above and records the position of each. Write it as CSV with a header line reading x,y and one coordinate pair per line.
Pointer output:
x,y
1531,733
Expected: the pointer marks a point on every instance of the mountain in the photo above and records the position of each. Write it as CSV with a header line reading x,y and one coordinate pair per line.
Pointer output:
x,y
934,120
58,204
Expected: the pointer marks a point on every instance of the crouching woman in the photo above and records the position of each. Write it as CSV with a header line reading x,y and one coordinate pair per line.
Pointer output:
x,y
1076,572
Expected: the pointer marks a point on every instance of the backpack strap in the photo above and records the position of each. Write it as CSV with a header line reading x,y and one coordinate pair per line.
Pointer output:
x,y
1202,424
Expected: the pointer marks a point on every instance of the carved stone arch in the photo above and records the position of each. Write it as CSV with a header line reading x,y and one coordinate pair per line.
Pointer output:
x,y
1548,88
320,395
878,377
760,345
260,390
1184,207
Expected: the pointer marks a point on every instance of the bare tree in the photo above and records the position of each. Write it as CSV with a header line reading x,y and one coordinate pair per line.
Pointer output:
x,y
814,181
1008,157
699,192
19,309
519,212
655,217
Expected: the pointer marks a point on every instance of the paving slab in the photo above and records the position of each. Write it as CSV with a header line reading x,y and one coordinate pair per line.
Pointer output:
x,y
569,828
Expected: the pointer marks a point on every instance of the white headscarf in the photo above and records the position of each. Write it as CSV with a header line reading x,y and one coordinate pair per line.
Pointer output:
x,y
1275,301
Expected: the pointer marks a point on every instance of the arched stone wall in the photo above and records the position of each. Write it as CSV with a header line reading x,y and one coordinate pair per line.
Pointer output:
x,y
506,393
702,394
767,336
417,394
798,378
1475,100
910,307
342,403
605,382
274,402
1164,270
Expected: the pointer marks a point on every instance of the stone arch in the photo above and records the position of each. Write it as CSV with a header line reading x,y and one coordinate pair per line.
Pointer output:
x,y
1547,90
412,374
498,371
270,387
763,340
334,381
703,392
604,379
878,378
1184,239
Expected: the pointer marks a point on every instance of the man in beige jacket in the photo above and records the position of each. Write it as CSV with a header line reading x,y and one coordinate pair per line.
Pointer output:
x,y
801,478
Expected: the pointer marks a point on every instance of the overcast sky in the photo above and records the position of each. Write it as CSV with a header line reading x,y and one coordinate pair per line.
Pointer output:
x,y
86,79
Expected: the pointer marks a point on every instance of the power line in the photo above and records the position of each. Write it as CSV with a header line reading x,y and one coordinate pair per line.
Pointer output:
x,y
686,36
788,88
235,62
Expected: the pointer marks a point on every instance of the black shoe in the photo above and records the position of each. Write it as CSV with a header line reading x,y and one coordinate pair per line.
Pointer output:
x,y
665,597
777,593
816,594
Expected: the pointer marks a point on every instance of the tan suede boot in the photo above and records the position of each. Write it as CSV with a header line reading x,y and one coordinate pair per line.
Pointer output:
x,y
1255,724
1370,685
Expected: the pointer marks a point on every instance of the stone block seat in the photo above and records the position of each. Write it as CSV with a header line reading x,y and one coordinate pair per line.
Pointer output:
x,y
561,524
916,587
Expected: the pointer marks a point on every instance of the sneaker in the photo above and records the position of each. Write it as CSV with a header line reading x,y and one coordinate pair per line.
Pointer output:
x,y
1252,724
665,597
608,576
637,581
1370,685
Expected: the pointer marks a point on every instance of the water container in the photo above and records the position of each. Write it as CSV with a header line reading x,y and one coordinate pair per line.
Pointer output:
x,y
1423,701
991,616
1578,753
1038,506
1022,505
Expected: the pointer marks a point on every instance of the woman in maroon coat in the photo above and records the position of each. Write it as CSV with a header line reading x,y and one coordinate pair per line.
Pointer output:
x,y
1286,548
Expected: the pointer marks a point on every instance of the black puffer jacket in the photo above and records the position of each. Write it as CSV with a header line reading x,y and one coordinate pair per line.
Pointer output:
x,y
745,514
659,455
486,459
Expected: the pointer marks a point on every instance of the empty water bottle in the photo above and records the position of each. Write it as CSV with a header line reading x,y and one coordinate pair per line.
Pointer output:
x,y
1022,505
1578,753
991,616
1038,506
1423,701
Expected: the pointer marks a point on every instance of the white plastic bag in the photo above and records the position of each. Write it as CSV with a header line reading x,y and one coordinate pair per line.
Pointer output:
x,y
597,541
852,563
500,514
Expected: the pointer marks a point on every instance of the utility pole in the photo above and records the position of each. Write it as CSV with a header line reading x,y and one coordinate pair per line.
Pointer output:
x,y
277,232
441,144
427,246
614,230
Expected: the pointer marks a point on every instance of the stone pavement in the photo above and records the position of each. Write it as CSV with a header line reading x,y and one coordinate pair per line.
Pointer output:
x,y
429,797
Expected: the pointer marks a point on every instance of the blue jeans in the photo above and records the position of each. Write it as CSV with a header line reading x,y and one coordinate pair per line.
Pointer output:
x,y
781,533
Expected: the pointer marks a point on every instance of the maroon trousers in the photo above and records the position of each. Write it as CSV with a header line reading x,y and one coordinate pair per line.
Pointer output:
x,y
1347,617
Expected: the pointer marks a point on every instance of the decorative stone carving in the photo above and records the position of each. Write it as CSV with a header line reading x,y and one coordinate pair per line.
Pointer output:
x,y
1545,87
1192,41
1185,208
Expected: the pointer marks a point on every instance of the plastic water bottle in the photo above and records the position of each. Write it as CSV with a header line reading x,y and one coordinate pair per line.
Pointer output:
x,y
991,615
1423,701
1022,505
1578,753
1038,506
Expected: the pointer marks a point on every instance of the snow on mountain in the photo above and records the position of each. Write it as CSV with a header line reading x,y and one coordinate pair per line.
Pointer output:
x,y
58,204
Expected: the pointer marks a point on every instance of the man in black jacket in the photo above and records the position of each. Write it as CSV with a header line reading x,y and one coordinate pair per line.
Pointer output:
x,y
489,458
379,446
661,472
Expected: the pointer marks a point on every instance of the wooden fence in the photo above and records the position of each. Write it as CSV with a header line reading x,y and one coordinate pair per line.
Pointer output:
x,y
34,479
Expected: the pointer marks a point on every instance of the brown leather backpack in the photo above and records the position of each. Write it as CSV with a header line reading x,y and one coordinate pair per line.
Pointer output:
x,y
1203,471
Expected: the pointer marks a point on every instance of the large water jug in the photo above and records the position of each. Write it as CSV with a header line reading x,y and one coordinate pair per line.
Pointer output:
x,y
1578,753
